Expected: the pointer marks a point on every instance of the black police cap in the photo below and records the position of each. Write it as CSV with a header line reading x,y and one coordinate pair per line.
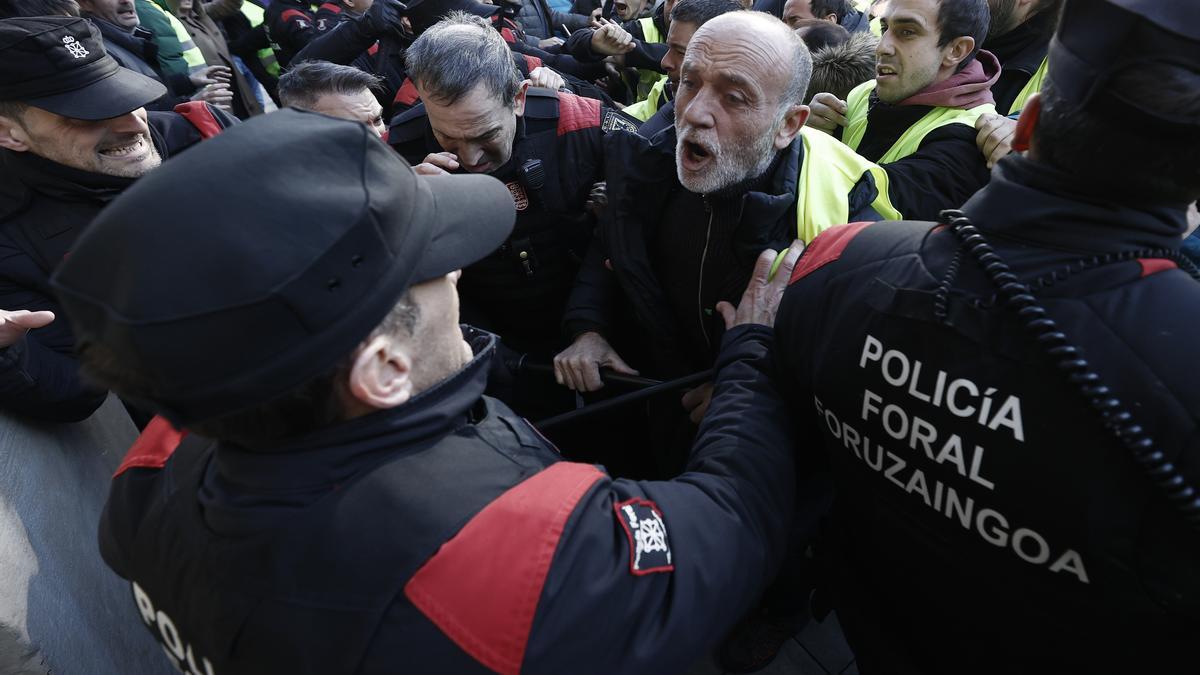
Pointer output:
x,y
258,259
58,63
424,14
1097,39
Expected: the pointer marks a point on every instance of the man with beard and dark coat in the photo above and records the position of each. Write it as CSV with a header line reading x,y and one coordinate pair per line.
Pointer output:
x,y
690,209
917,116
73,136
1019,36
1007,398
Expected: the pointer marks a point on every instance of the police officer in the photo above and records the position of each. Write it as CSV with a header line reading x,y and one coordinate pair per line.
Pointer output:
x,y
290,26
73,135
1004,398
544,145
361,507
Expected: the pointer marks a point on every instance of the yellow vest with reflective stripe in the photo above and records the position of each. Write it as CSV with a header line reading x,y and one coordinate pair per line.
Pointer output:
x,y
909,141
830,171
644,110
1033,86
266,55
647,78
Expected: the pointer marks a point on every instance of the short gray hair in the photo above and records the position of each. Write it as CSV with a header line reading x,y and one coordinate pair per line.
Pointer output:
x,y
802,67
306,82
448,62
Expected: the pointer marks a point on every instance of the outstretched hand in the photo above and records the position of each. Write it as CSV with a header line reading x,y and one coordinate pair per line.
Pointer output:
x,y
760,302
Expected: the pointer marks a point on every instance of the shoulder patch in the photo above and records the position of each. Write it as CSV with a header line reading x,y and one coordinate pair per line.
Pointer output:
x,y
649,547
825,248
153,448
615,120
576,113
1155,265
501,556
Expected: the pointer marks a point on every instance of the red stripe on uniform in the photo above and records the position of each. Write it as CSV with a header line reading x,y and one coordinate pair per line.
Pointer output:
x,y
508,35
482,587
153,448
407,93
1156,265
577,112
201,117
289,14
826,248
330,7
532,62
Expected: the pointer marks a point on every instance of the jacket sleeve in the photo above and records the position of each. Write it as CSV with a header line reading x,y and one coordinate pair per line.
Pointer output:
x,y
944,172
586,574
39,375
593,296
347,41
725,522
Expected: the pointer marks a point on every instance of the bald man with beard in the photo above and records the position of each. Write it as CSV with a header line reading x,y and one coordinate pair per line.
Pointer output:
x,y
691,208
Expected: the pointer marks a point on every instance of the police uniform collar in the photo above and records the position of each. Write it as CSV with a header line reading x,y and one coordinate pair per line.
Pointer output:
x,y
1059,211
335,454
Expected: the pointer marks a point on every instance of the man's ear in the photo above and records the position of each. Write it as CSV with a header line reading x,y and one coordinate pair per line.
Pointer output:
x,y
793,122
1027,123
381,376
958,49
12,135
519,100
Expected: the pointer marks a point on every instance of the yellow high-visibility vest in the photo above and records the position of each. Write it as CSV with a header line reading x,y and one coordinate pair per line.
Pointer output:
x,y
1033,86
648,78
266,55
910,140
644,110
830,171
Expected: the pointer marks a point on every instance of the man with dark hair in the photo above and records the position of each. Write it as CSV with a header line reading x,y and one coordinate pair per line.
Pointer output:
x,y
658,110
479,116
334,90
1019,36
690,209
917,117
820,34
359,507
800,10
1000,396
73,135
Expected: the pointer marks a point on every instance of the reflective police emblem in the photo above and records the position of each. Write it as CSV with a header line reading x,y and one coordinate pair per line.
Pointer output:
x,y
615,120
520,199
321,24
649,547
301,23
75,47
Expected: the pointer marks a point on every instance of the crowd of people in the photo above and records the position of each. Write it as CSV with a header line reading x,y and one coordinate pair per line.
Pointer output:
x,y
870,306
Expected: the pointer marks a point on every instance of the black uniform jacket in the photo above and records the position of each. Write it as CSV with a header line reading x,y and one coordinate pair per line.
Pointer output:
x,y
985,520
44,207
618,279
520,291
446,536
290,26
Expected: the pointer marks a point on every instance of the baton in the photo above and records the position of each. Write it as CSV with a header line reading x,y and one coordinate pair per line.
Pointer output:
x,y
625,399
609,376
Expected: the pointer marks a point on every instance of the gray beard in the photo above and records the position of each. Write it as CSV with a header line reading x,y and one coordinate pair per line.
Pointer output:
x,y
727,168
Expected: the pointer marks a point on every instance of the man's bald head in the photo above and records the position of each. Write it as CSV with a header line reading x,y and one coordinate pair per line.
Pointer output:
x,y
773,53
740,99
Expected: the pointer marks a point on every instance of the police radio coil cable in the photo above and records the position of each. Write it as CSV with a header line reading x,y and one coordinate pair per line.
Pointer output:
x,y
1117,419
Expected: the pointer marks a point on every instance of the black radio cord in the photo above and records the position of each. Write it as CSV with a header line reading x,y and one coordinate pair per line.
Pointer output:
x,y
1117,419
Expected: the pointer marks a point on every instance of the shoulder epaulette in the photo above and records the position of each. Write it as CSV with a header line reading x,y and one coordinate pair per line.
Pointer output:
x,y
541,104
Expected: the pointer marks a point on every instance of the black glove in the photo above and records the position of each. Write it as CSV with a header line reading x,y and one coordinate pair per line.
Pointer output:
x,y
384,17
